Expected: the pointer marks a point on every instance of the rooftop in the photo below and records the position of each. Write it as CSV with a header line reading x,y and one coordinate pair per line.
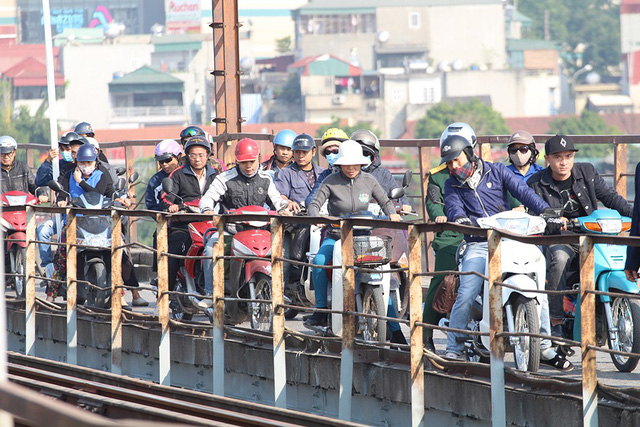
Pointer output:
x,y
336,7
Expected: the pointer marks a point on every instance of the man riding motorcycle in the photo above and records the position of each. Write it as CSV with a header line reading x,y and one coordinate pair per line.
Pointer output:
x,y
282,154
16,175
244,185
576,188
329,144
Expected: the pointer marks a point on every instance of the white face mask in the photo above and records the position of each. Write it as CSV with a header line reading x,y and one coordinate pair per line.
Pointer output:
x,y
87,170
520,159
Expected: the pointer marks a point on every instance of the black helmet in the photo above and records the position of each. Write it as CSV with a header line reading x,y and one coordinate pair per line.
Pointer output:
x,y
67,137
84,128
81,140
190,131
367,139
199,141
303,142
452,147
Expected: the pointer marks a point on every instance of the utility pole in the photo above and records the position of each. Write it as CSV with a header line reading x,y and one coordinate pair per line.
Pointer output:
x,y
226,74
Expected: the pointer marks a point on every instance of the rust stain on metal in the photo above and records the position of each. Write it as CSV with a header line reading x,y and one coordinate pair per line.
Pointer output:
x,y
588,328
72,257
163,272
621,169
277,283
348,285
495,293
218,275
415,313
116,298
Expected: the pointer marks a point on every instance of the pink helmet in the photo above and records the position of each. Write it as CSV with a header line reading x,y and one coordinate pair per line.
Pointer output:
x,y
167,148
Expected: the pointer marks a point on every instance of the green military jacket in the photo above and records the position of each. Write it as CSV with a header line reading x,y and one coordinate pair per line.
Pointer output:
x,y
435,208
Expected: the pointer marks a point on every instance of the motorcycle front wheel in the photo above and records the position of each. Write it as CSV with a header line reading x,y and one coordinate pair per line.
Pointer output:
x,y
625,314
20,281
373,330
526,349
261,312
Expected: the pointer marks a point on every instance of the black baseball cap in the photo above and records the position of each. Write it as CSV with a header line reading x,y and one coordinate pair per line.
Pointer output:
x,y
558,144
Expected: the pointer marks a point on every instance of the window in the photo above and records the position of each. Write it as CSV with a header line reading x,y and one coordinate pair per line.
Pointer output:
x,y
338,24
397,94
415,20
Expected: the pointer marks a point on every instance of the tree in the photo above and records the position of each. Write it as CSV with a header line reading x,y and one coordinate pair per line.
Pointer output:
x,y
588,123
482,118
335,123
283,45
573,22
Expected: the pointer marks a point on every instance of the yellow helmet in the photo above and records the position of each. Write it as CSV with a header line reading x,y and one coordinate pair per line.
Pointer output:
x,y
333,136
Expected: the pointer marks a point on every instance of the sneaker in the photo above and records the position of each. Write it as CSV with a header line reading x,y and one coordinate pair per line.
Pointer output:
x,y
139,302
452,355
206,303
317,319
430,345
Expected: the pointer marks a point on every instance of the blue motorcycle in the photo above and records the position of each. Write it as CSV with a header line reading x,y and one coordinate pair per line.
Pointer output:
x,y
617,318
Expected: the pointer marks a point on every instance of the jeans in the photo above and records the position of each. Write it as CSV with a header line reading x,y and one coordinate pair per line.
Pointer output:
x,y
319,275
559,259
474,259
44,233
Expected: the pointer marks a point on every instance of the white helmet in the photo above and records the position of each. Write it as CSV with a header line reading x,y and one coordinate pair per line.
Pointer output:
x,y
7,144
93,142
461,129
350,153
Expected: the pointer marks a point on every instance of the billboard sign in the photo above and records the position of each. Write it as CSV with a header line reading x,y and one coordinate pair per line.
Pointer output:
x,y
182,16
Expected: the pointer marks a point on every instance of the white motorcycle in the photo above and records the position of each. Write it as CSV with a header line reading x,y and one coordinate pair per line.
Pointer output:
x,y
524,268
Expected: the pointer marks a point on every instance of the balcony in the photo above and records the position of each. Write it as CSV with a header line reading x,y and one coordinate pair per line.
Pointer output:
x,y
173,110
149,116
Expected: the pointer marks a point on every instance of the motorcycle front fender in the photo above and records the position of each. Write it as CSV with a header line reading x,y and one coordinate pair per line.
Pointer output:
x,y
615,281
255,266
19,235
526,287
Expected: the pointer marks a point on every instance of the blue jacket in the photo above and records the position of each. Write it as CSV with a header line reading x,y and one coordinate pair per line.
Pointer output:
x,y
532,170
293,184
154,191
633,252
490,196
45,172
384,178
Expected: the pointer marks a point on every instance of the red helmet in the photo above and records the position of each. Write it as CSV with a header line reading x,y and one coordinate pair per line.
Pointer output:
x,y
247,150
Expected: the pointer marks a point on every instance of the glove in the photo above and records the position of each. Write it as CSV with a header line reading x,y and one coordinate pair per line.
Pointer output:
x,y
554,225
463,220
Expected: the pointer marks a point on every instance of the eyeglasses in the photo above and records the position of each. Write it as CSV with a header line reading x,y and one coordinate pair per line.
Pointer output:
x,y
162,162
9,154
197,156
514,150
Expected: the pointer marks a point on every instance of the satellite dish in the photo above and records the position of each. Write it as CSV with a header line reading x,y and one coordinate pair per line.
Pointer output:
x,y
247,63
444,66
383,36
113,30
592,78
457,65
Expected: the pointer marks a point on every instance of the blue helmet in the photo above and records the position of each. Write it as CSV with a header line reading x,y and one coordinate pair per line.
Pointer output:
x,y
285,138
86,153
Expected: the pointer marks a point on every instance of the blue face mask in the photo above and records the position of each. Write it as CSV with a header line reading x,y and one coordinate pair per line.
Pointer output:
x,y
331,158
66,156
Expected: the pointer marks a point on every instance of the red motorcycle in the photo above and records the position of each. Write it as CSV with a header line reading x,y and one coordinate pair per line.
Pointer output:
x,y
251,279
14,225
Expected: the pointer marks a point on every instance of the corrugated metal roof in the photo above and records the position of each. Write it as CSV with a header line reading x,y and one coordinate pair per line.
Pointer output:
x,y
526,44
146,79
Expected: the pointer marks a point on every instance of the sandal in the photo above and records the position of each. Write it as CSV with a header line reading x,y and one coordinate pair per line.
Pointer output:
x,y
559,362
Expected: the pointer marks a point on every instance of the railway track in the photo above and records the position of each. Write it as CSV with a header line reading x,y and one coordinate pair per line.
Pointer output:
x,y
117,397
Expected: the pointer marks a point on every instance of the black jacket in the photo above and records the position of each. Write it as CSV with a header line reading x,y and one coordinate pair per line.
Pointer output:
x,y
588,185
185,184
18,178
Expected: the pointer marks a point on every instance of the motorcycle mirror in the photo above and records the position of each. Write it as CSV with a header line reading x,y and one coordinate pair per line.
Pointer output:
x,y
133,177
121,171
121,184
396,193
167,185
406,180
55,185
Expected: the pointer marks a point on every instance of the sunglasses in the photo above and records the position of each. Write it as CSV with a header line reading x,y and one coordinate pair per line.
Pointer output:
x,y
331,151
162,162
514,150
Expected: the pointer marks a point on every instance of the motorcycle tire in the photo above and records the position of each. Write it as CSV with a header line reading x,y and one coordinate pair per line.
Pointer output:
x,y
97,276
527,350
625,314
373,330
261,314
20,282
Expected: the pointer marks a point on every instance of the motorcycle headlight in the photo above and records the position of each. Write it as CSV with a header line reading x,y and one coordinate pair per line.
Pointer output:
x,y
612,226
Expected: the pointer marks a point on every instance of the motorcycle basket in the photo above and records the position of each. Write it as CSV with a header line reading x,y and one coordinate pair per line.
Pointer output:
x,y
369,250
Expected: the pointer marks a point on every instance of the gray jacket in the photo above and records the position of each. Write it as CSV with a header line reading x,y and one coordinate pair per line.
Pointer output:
x,y
18,178
349,195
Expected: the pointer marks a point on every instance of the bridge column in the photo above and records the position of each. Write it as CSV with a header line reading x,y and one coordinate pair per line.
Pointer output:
x,y
116,291
498,406
415,313
277,288
588,328
30,284
348,320
163,301
218,309
72,289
